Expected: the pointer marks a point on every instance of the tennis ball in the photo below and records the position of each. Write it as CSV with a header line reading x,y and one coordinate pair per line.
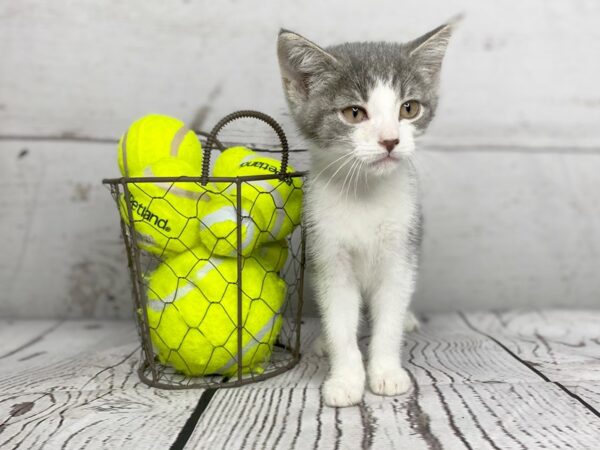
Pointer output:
x,y
218,225
154,137
228,160
279,201
272,255
193,313
165,213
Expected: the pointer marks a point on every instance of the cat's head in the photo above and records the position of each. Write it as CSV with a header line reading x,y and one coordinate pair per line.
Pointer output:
x,y
362,102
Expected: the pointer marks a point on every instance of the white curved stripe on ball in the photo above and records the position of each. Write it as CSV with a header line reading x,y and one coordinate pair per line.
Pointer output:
x,y
158,305
228,213
177,140
250,231
256,339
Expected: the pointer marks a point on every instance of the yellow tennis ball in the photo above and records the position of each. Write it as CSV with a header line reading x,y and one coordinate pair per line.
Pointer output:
x,y
165,213
193,314
218,225
280,202
272,255
154,137
228,160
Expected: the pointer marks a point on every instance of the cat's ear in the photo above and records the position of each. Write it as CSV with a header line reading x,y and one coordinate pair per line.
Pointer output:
x,y
304,65
427,52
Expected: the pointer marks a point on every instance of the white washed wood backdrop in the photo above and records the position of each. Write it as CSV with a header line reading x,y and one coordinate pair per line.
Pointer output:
x,y
510,167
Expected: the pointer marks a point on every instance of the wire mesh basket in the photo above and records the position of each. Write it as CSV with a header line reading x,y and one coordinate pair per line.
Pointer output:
x,y
217,268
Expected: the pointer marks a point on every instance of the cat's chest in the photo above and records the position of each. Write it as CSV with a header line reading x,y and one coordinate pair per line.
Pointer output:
x,y
362,223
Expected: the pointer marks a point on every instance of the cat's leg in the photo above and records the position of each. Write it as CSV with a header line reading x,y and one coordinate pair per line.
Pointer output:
x,y
389,310
319,345
339,301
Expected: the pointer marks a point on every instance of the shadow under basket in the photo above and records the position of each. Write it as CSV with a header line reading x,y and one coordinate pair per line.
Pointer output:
x,y
217,270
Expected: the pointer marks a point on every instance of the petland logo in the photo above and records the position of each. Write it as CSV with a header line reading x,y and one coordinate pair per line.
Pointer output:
x,y
148,216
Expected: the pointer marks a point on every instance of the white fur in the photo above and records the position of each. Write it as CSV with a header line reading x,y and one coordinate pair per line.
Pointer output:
x,y
359,240
411,323
383,109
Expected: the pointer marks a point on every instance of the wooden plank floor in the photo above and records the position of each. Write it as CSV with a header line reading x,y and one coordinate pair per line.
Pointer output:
x,y
522,380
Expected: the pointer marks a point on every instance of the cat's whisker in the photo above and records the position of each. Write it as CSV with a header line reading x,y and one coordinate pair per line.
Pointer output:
x,y
345,155
346,178
355,173
346,161
350,180
357,178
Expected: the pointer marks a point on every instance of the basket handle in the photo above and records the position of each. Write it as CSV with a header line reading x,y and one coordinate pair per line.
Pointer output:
x,y
214,141
212,136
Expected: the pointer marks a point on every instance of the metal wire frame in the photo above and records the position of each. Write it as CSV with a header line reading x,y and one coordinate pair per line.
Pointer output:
x,y
150,370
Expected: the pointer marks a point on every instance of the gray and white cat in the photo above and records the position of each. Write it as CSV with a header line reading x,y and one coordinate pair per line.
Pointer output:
x,y
360,107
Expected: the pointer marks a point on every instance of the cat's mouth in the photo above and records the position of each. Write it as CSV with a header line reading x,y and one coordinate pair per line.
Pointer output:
x,y
385,161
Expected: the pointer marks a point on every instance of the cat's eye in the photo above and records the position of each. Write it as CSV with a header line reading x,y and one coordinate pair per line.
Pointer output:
x,y
410,109
354,114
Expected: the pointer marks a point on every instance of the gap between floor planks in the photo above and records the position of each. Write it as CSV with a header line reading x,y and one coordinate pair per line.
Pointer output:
x,y
475,387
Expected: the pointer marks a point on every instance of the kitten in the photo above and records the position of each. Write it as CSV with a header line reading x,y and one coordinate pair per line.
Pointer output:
x,y
360,107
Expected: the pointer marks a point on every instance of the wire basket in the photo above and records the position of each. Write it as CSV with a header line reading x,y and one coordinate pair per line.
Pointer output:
x,y
222,309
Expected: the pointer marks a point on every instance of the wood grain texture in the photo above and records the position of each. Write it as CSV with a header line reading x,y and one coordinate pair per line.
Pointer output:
x,y
72,385
469,393
76,387
587,390
516,72
477,416
444,351
563,345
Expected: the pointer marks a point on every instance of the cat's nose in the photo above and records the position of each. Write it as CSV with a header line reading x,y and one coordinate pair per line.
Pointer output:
x,y
389,144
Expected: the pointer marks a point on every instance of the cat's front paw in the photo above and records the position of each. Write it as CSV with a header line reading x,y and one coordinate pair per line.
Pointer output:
x,y
389,381
343,391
